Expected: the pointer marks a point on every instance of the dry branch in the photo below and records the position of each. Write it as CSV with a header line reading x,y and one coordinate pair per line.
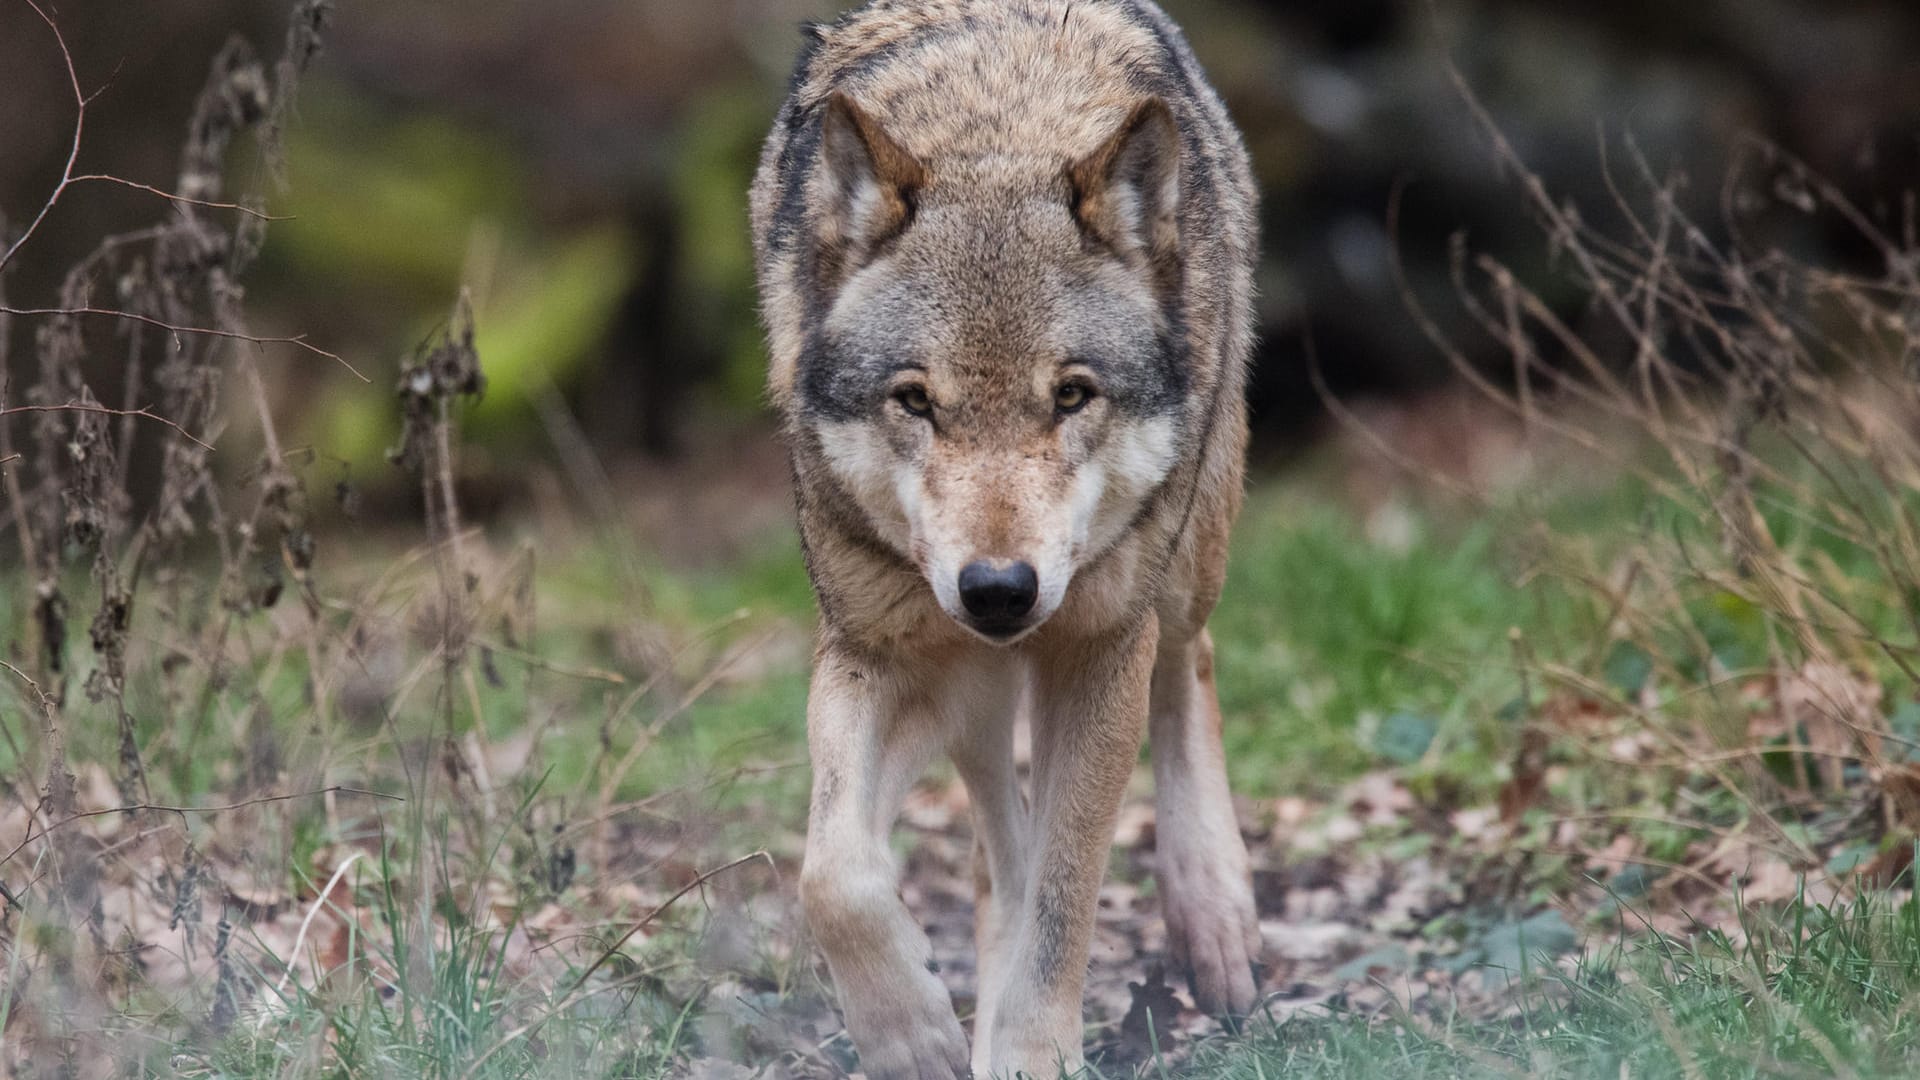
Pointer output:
x,y
73,153
182,199
78,406
298,341
336,789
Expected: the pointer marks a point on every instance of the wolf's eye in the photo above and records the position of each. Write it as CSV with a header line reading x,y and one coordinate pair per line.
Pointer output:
x,y
1072,397
914,399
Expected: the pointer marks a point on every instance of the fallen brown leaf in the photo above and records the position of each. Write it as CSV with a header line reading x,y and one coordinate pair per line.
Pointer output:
x,y
1148,1026
1838,710
1523,790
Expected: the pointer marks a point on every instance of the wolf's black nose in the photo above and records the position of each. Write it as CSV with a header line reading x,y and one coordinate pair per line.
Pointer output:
x,y
998,594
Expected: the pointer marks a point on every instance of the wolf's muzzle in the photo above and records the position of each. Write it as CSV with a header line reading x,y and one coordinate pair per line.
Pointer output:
x,y
999,595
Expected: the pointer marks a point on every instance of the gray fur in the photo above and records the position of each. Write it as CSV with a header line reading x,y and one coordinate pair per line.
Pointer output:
x,y
1005,253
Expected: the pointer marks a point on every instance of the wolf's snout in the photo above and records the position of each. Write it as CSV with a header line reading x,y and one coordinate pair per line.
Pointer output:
x,y
999,594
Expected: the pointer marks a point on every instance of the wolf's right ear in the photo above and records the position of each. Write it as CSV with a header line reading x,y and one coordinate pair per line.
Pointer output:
x,y
1126,194
869,184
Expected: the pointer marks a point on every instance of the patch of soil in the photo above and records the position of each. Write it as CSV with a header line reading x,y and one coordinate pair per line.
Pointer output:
x,y
1358,927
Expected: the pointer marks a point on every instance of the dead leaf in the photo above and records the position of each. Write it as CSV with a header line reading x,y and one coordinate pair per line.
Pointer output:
x,y
1577,715
1379,799
1476,822
1529,781
1838,710
1901,784
1763,876
1633,748
338,949
1148,1027
1290,811
1894,860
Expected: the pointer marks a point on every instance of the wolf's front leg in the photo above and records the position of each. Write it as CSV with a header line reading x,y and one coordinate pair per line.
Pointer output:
x,y
983,753
1090,713
1213,931
868,745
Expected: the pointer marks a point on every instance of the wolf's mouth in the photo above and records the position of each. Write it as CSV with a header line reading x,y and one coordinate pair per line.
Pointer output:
x,y
1000,631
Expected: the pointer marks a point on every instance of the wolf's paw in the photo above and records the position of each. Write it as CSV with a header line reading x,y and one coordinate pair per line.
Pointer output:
x,y
1213,930
911,1040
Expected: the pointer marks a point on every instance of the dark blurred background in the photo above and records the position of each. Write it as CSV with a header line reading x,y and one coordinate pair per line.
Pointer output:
x,y
582,166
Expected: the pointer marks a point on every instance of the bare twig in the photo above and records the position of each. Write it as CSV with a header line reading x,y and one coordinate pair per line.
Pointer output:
x,y
80,406
40,696
298,341
73,153
336,789
261,215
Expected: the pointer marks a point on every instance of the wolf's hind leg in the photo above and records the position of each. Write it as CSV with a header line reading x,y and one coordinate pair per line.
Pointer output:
x,y
869,744
1213,931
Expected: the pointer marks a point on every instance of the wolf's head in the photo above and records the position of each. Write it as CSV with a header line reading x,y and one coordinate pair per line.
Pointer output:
x,y
997,379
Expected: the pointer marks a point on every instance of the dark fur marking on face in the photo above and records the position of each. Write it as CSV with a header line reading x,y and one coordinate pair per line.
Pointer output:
x,y
1174,361
832,504
1184,88
844,522
802,143
1142,378
1152,384
838,384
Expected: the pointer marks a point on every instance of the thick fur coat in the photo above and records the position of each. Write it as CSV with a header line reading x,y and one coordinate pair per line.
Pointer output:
x,y
1005,251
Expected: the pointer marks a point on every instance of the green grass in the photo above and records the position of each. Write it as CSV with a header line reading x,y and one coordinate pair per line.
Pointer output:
x,y
1342,649
1323,635
429,994
1810,990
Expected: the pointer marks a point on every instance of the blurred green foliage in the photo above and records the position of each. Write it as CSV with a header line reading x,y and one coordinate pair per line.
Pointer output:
x,y
412,208
718,148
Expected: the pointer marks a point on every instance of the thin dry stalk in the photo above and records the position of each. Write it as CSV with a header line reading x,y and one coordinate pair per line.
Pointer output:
x,y
1768,408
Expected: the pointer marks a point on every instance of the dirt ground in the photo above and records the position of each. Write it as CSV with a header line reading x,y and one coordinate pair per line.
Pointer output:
x,y
1346,927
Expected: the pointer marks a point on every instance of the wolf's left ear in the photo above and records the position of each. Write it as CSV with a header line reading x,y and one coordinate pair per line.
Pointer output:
x,y
869,184
1126,195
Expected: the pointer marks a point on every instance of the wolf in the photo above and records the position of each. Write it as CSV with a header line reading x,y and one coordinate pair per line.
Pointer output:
x,y
1005,252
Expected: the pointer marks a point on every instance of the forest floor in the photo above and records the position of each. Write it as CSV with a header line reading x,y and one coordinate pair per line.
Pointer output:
x,y
1495,830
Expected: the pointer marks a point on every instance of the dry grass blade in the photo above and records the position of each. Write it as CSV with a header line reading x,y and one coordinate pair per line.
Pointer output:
x,y
572,993
337,789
